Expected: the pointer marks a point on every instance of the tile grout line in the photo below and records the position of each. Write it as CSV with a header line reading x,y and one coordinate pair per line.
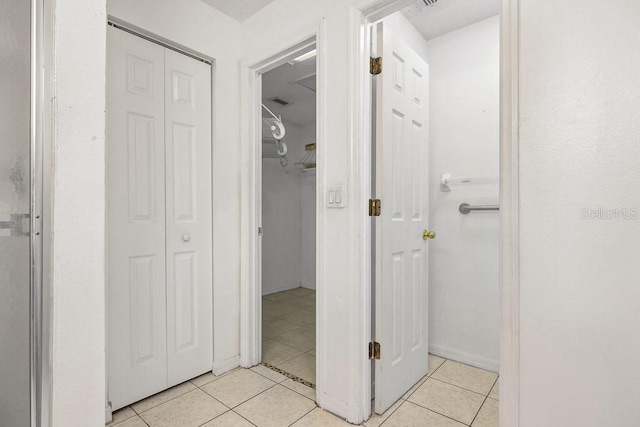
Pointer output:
x,y
455,385
312,409
483,402
439,413
407,399
162,403
426,377
240,415
436,412
393,412
231,408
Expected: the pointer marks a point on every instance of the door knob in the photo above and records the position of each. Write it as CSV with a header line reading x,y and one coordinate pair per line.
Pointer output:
x,y
426,235
186,237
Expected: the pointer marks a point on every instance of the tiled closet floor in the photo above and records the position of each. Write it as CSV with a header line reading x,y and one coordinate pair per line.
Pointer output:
x,y
289,332
451,394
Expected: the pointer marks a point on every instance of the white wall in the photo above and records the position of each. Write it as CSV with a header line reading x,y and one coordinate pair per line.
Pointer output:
x,y
288,217
195,25
579,148
464,311
283,251
78,306
281,219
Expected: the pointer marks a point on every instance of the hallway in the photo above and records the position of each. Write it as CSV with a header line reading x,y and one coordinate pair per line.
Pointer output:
x,y
450,395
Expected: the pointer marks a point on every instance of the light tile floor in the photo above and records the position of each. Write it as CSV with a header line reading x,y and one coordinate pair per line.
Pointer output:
x,y
289,332
451,394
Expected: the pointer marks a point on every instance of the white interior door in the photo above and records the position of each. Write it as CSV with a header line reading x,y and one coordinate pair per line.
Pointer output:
x,y
159,280
189,245
402,137
135,219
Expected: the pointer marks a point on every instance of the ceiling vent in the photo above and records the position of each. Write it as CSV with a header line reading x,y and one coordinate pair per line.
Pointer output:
x,y
279,101
430,2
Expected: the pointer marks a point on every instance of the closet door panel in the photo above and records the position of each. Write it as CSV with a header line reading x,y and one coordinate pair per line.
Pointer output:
x,y
189,239
136,347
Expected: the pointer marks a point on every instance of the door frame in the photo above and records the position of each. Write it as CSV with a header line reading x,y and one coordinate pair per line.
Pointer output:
x,y
251,71
122,25
362,14
41,138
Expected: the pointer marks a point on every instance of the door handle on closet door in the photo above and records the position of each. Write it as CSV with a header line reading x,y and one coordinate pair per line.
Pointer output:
x,y
186,237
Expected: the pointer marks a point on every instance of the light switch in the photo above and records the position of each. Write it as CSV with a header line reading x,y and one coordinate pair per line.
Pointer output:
x,y
336,197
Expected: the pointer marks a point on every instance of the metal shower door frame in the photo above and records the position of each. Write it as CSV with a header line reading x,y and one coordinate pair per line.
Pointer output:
x,y
40,210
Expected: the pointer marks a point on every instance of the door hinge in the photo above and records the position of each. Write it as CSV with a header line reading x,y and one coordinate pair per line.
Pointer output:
x,y
375,65
260,231
374,350
375,207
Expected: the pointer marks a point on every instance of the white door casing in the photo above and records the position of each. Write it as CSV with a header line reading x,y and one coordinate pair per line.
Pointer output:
x,y
159,238
401,316
188,216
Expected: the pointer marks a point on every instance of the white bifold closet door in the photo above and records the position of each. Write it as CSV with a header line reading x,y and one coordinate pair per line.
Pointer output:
x,y
158,219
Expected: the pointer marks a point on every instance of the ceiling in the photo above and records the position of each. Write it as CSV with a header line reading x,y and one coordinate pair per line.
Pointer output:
x,y
238,9
295,84
448,15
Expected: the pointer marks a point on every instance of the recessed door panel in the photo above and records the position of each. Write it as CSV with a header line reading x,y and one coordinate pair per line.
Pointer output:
x,y
184,284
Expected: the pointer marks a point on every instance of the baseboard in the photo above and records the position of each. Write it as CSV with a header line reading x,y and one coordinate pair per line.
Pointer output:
x,y
311,286
466,358
226,365
108,413
279,289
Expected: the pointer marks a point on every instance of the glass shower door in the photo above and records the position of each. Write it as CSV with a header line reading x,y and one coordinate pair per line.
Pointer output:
x,y
15,203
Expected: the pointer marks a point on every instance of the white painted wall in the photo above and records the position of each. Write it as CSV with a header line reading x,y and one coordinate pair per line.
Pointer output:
x,y
288,216
78,282
464,311
281,221
195,25
281,217
579,148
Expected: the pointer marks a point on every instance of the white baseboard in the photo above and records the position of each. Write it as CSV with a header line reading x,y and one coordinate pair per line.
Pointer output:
x,y
311,286
108,413
220,368
279,289
466,358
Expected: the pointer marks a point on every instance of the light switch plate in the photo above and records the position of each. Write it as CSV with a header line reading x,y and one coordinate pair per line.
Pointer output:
x,y
336,197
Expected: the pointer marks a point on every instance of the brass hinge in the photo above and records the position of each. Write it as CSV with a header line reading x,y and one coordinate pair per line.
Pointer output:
x,y
374,350
375,65
375,207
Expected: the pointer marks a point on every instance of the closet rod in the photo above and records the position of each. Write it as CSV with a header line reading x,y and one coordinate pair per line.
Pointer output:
x,y
156,41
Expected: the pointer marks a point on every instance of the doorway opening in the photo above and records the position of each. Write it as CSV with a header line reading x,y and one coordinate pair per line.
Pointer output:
x,y
287,229
435,164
